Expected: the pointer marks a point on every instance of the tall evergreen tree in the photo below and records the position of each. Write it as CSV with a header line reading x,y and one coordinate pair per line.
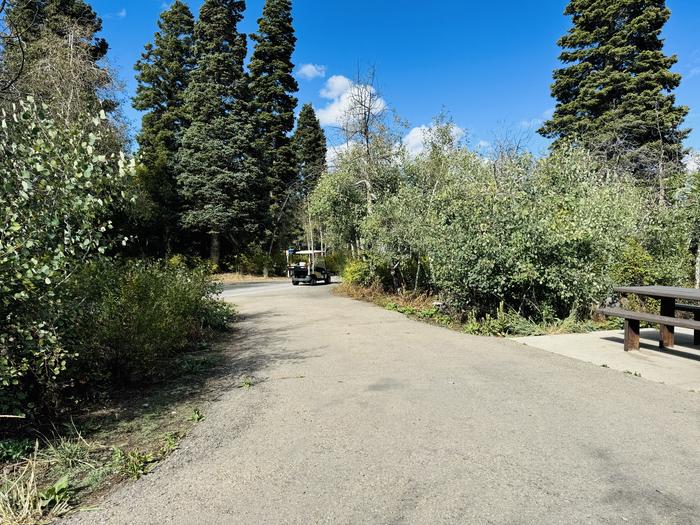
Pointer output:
x,y
273,87
218,173
163,74
309,142
615,92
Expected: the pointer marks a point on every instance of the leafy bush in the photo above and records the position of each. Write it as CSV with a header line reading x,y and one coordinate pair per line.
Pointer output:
x,y
358,271
546,238
130,315
15,449
256,261
542,241
56,194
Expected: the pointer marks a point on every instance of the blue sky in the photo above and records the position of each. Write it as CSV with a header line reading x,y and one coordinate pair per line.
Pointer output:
x,y
488,64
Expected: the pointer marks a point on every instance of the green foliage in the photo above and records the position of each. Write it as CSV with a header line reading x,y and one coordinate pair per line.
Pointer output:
x,y
219,179
133,315
22,502
614,92
336,261
196,416
163,75
272,88
255,261
358,271
133,463
309,143
546,239
36,17
338,203
55,203
15,449
56,495
541,237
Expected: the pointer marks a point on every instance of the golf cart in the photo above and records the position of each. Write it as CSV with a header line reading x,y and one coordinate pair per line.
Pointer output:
x,y
311,271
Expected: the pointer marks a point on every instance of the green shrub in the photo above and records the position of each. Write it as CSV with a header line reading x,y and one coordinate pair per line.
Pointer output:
x,y
257,261
131,315
336,261
542,240
56,193
15,449
358,271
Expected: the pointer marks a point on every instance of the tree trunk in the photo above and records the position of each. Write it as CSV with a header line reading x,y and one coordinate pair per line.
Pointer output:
x,y
215,249
415,285
168,242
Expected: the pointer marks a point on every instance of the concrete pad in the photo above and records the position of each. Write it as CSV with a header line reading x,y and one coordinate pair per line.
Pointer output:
x,y
679,366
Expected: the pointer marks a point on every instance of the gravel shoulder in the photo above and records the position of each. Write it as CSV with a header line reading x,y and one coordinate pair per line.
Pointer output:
x,y
357,414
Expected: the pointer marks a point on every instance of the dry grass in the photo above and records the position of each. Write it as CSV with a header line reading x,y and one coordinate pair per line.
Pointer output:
x,y
502,324
22,502
376,294
234,278
125,437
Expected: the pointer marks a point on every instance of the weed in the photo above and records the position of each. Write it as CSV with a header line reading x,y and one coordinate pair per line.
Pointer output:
x,y
21,502
95,477
57,494
246,382
635,374
15,449
68,452
503,323
196,416
171,442
133,463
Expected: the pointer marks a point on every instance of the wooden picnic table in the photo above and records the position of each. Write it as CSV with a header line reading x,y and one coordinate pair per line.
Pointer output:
x,y
667,296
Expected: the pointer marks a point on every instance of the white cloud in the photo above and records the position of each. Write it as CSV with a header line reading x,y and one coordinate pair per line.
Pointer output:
x,y
333,151
536,122
311,71
119,14
482,145
417,139
531,124
692,162
340,90
336,86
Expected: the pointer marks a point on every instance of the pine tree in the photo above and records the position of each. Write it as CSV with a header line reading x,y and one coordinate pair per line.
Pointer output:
x,y
309,142
615,92
218,174
272,88
163,74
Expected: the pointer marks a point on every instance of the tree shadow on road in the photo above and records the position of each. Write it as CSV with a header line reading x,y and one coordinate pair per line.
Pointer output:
x,y
236,359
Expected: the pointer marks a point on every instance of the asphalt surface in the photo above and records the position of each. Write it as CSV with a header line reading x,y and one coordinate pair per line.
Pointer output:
x,y
360,415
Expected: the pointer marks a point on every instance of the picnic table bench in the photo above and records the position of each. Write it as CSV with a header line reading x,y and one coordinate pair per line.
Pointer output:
x,y
667,320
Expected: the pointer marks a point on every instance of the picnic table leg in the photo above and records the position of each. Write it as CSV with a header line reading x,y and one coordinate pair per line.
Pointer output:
x,y
631,335
668,308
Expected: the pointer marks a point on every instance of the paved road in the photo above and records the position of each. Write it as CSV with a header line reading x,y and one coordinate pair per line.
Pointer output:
x,y
364,416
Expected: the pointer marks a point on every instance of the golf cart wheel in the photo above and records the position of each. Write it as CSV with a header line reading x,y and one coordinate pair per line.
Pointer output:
x,y
295,283
328,279
313,281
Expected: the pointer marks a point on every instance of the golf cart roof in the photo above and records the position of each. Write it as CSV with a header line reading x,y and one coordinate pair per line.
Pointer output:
x,y
307,252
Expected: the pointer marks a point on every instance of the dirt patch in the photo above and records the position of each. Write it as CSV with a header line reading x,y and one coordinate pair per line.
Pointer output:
x,y
124,436
235,278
